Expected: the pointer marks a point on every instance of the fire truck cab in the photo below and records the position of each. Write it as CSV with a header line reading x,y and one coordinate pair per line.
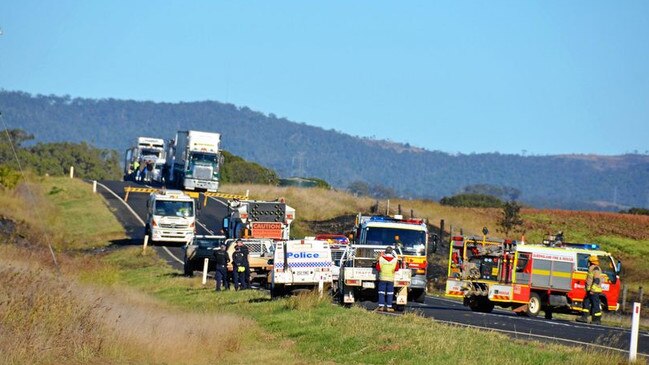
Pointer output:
x,y
527,278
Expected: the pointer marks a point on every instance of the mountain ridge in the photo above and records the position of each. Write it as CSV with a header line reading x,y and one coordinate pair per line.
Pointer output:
x,y
571,181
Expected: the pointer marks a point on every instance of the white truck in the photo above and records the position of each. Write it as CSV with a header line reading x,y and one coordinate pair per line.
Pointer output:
x,y
195,160
300,266
146,149
358,277
258,219
170,217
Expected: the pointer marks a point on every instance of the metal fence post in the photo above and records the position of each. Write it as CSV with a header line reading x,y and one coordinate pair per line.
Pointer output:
x,y
625,291
640,295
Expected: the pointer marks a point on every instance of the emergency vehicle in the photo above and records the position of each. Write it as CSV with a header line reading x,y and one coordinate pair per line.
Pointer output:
x,y
527,277
408,234
258,219
170,216
358,277
300,265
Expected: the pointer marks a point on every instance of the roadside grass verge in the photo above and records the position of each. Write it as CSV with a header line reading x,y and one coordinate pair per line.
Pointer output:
x,y
322,332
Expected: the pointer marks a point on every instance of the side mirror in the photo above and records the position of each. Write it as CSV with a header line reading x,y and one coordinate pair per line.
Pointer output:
x,y
271,262
618,267
199,206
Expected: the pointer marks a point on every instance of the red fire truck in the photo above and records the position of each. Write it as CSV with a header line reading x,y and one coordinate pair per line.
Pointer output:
x,y
527,277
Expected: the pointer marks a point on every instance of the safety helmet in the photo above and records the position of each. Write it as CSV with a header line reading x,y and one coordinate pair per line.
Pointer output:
x,y
593,259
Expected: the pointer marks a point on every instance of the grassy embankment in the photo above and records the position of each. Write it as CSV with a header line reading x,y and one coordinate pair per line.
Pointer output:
x,y
123,307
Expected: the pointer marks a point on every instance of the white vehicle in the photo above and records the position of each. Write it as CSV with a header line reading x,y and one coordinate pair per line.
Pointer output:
x,y
195,160
146,149
171,217
358,277
259,219
300,265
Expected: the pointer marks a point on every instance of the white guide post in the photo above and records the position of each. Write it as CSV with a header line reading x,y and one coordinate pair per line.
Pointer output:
x,y
71,172
94,186
146,241
635,326
205,263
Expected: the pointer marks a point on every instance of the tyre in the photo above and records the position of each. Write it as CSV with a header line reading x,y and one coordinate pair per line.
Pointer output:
x,y
418,295
534,305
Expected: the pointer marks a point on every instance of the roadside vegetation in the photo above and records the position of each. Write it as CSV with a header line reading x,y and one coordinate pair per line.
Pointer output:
x,y
118,305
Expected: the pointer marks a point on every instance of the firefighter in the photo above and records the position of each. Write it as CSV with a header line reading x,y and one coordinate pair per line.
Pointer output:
x,y
221,275
386,267
591,303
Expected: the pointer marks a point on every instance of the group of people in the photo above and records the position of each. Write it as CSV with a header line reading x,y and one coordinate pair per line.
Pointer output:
x,y
240,267
142,170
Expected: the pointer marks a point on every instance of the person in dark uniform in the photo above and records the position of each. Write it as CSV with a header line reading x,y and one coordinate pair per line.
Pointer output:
x,y
221,276
246,252
239,268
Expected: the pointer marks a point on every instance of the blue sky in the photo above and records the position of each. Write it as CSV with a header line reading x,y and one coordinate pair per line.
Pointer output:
x,y
545,77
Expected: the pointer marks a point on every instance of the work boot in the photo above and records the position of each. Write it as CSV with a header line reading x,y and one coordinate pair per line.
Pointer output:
x,y
596,320
390,309
380,309
583,318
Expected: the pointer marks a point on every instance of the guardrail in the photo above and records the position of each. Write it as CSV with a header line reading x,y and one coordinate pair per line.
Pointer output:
x,y
193,194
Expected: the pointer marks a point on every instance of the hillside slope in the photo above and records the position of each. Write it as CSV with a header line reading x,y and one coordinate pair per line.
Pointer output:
x,y
570,181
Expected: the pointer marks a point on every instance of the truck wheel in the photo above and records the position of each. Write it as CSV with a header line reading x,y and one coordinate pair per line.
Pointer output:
x,y
418,295
534,305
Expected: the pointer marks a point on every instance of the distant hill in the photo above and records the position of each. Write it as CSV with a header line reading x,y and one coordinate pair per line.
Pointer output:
x,y
297,149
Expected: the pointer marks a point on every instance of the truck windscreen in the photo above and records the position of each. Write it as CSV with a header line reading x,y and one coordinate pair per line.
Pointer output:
x,y
150,152
204,158
174,208
409,239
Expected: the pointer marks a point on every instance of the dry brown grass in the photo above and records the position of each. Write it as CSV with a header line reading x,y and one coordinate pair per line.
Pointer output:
x,y
310,204
51,319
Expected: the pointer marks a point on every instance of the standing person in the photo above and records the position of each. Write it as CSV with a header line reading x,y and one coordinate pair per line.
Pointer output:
x,y
238,268
140,171
149,171
221,276
386,266
246,252
591,301
136,168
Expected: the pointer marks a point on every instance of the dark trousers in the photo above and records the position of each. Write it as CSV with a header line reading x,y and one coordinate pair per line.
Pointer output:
x,y
592,305
221,277
247,275
239,278
386,292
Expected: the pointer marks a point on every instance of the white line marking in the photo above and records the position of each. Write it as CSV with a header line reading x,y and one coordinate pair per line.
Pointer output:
x,y
138,218
534,335
205,227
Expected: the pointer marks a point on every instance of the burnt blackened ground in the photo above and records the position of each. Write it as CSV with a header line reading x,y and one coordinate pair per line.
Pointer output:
x,y
12,232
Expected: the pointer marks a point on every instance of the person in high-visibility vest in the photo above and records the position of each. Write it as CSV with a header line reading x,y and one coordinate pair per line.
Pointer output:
x,y
386,266
591,303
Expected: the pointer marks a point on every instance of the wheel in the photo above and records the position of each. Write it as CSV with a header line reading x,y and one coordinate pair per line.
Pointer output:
x,y
534,305
418,295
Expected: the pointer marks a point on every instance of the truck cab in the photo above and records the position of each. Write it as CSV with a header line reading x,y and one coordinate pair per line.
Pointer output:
x,y
171,217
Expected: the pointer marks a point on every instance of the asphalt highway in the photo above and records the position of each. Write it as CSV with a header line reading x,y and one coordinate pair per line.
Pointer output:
x,y
133,212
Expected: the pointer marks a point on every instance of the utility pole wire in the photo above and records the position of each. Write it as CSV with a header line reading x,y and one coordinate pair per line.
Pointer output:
x,y
48,239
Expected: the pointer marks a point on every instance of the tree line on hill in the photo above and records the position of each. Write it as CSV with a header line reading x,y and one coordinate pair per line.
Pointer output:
x,y
296,149
90,162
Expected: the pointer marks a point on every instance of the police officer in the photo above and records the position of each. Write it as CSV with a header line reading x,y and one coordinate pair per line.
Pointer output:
x,y
221,276
238,268
386,266
591,303
246,264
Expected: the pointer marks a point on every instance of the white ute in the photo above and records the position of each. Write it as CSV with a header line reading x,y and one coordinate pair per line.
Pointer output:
x,y
300,266
170,217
